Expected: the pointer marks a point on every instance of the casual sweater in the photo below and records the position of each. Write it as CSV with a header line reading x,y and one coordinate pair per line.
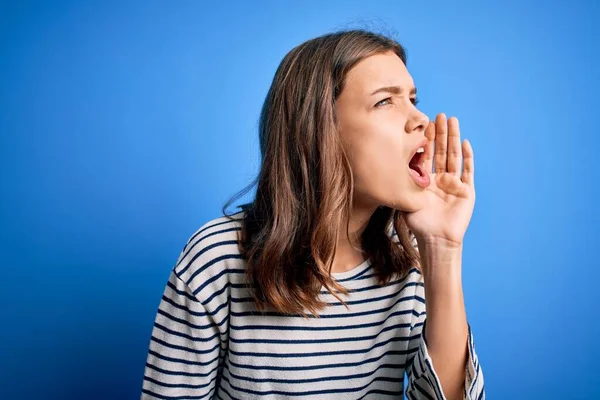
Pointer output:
x,y
210,342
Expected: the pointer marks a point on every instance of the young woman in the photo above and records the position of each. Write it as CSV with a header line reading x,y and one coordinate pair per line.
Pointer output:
x,y
318,288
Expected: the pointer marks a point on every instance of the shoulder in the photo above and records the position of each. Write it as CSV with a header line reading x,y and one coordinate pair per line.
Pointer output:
x,y
210,253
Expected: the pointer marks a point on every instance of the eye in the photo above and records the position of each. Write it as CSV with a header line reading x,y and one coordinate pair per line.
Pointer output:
x,y
413,100
380,102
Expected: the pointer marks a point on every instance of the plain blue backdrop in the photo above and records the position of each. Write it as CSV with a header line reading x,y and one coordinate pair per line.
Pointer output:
x,y
125,126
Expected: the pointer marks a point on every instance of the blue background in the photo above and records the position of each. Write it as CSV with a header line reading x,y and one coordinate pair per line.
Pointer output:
x,y
125,127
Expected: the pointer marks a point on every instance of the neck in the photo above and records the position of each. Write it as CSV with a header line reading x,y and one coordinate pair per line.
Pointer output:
x,y
349,253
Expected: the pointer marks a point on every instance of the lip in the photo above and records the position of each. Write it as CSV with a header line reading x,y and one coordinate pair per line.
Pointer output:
x,y
422,143
422,177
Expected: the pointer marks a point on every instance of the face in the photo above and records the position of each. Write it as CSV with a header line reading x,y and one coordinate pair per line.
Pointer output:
x,y
381,132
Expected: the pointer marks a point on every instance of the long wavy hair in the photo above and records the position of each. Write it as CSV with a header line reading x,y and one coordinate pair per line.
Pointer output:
x,y
305,184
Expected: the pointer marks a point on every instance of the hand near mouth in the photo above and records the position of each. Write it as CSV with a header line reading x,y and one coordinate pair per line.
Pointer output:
x,y
450,197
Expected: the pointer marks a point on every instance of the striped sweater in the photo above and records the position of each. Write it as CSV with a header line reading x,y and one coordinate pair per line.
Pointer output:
x,y
209,341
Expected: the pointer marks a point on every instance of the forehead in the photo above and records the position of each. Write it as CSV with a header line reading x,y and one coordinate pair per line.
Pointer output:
x,y
385,69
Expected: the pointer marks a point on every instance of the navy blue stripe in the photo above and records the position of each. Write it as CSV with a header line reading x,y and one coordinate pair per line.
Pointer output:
x,y
409,372
360,278
181,360
202,230
381,391
179,385
424,372
184,348
313,380
481,393
212,262
217,293
194,313
323,353
309,393
210,280
363,289
469,378
160,396
473,383
320,341
358,274
472,347
250,299
412,271
181,373
185,336
322,366
423,392
327,316
185,322
227,393
437,386
413,366
374,299
409,368
181,292
321,328
472,357
378,286
339,303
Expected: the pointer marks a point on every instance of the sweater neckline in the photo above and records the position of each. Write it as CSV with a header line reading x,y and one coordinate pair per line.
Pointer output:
x,y
355,270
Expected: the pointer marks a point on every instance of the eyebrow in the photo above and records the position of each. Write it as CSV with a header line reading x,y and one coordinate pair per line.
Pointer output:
x,y
394,90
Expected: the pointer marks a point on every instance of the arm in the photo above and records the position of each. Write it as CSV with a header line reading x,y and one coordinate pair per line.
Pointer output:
x,y
445,365
183,357
447,334
439,227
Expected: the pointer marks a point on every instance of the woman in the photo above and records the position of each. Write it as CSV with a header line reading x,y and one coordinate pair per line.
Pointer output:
x,y
318,288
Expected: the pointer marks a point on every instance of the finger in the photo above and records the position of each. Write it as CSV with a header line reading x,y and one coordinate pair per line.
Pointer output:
x,y
430,135
454,153
468,175
451,185
441,138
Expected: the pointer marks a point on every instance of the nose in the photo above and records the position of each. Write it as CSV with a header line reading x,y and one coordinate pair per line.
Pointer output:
x,y
417,121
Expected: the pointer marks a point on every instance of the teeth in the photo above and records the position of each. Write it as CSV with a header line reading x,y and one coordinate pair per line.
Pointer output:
x,y
421,150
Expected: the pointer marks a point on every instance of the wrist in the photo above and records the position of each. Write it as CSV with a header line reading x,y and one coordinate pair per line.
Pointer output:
x,y
441,260
437,242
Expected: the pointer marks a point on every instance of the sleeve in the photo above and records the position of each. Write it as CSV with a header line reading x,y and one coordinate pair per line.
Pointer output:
x,y
184,354
423,382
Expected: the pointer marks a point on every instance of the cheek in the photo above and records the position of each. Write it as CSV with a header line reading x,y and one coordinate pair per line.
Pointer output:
x,y
378,160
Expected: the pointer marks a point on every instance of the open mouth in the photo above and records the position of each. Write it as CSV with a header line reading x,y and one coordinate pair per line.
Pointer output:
x,y
417,161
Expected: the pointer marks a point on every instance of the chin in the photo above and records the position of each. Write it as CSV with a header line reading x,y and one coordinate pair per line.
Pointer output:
x,y
409,203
